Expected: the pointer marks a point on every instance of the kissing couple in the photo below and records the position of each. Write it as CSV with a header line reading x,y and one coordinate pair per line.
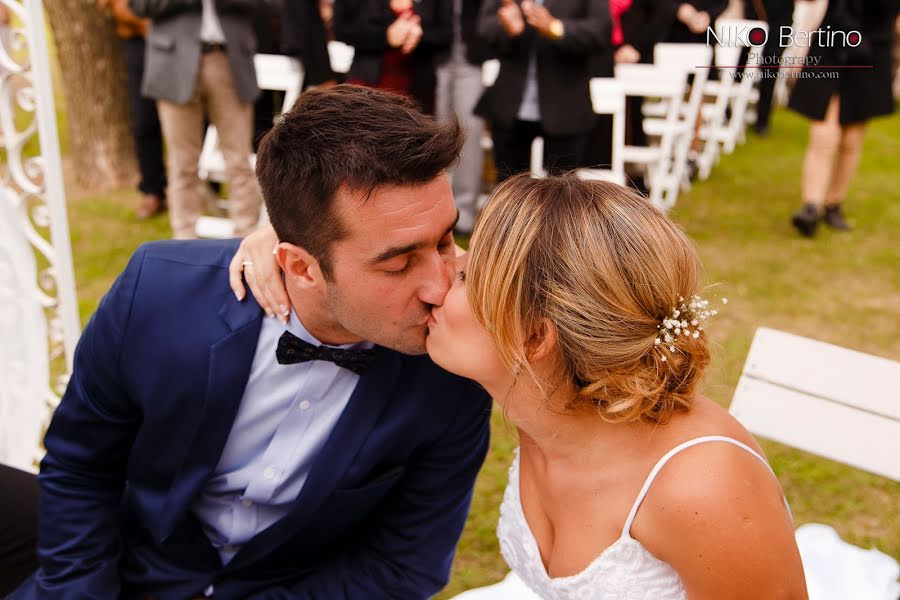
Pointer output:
x,y
329,451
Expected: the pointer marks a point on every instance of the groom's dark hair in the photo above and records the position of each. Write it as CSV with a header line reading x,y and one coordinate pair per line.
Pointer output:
x,y
347,136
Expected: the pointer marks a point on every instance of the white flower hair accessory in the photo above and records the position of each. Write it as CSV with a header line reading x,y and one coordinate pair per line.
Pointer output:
x,y
686,320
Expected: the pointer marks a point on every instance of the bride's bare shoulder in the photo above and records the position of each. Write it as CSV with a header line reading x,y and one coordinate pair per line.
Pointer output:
x,y
716,513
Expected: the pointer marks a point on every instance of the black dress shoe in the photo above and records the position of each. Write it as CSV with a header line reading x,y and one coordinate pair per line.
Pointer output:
x,y
834,218
807,220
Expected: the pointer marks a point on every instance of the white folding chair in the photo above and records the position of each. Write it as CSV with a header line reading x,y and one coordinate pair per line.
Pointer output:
x,y
668,85
690,59
273,72
340,55
490,69
824,399
608,98
723,131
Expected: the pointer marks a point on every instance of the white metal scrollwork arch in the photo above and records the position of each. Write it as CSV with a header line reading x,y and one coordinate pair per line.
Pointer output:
x,y
38,312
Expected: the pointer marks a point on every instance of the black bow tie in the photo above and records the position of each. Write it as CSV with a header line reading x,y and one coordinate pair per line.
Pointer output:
x,y
292,350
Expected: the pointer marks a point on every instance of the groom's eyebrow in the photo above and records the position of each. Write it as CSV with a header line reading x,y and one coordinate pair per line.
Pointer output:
x,y
399,250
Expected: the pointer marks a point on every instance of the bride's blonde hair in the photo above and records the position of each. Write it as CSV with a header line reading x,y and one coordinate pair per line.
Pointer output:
x,y
606,268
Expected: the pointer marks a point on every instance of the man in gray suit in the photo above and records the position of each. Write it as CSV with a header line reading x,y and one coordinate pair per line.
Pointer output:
x,y
200,58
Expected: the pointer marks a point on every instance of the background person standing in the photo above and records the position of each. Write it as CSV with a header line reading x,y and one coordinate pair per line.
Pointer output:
x,y
200,60
840,102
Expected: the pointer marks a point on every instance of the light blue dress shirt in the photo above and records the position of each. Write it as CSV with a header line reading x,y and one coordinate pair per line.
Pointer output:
x,y
530,108
286,414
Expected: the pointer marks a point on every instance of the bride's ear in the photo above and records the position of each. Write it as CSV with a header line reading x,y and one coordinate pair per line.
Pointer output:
x,y
542,341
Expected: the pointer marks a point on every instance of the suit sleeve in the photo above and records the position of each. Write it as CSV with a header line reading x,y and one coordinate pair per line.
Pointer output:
x,y
589,34
492,32
304,36
408,555
438,35
655,29
82,476
354,24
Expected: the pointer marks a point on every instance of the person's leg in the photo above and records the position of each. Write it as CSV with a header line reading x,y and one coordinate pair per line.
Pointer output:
x,y
147,133
233,119
469,173
824,140
18,528
563,153
848,157
512,147
263,116
182,126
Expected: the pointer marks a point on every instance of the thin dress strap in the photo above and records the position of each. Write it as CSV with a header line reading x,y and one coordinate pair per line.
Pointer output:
x,y
626,531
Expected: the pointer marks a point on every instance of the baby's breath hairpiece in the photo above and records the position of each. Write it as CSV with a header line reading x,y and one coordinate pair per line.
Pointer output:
x,y
686,320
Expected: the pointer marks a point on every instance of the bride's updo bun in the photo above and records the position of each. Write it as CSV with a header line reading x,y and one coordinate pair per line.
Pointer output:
x,y
608,270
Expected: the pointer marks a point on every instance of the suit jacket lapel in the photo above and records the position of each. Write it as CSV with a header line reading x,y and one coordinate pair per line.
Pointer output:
x,y
372,393
230,360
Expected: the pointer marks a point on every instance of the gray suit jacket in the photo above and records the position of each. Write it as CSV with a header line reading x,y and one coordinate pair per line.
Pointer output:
x,y
173,51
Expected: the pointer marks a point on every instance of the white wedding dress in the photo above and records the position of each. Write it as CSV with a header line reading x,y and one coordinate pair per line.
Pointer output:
x,y
624,571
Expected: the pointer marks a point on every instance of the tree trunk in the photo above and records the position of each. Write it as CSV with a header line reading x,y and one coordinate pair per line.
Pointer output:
x,y
92,63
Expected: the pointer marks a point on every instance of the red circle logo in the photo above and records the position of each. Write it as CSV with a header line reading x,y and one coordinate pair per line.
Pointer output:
x,y
757,36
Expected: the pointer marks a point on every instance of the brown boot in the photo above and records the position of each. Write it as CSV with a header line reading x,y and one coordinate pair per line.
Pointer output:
x,y
150,206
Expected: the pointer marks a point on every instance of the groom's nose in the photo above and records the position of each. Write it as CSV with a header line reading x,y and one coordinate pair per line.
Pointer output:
x,y
439,277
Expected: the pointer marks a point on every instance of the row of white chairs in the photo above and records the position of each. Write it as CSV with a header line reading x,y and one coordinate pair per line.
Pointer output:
x,y
679,94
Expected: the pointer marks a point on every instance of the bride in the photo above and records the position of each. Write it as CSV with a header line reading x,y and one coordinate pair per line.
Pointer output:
x,y
577,309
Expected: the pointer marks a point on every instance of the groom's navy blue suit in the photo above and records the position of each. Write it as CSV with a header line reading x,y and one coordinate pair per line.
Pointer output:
x,y
158,379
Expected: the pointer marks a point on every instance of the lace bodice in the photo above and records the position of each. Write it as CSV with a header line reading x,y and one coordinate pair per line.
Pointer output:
x,y
624,571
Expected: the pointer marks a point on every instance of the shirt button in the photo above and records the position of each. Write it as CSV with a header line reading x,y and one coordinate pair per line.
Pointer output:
x,y
269,472
246,503
304,405
228,548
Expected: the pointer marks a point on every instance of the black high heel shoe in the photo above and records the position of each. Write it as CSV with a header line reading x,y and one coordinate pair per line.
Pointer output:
x,y
807,220
834,218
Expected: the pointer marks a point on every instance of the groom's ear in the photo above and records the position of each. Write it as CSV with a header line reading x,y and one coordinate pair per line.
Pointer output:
x,y
542,341
299,264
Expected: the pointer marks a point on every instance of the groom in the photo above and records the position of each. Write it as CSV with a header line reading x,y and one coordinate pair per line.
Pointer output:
x,y
204,450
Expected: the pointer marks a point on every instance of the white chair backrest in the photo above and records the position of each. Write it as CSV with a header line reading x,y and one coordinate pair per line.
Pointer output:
x,y
340,55
608,98
687,57
490,69
831,401
650,81
279,73
39,324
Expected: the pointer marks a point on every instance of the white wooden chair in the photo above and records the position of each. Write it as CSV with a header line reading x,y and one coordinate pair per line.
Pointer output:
x,y
608,98
824,399
669,86
340,55
725,121
39,324
690,59
490,69
273,72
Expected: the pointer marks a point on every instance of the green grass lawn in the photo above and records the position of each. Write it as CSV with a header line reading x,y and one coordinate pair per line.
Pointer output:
x,y
840,288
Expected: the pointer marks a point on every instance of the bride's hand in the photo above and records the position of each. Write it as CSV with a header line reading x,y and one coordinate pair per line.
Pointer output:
x,y
256,261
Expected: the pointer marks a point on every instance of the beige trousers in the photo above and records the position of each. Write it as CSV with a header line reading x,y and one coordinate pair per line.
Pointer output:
x,y
182,126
